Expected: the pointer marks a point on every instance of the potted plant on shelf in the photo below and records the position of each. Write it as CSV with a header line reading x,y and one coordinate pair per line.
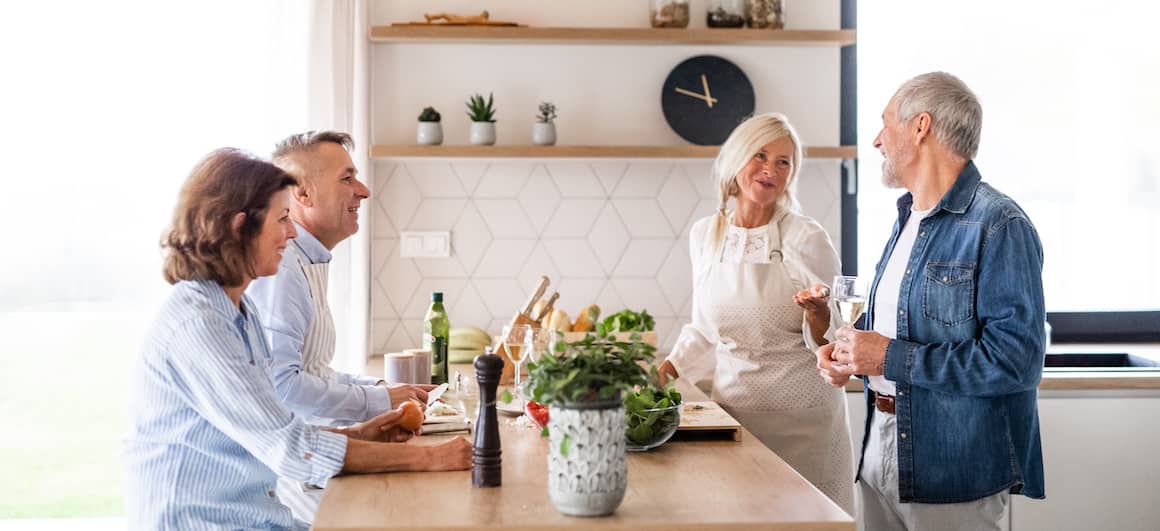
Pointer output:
x,y
544,130
430,131
582,383
482,114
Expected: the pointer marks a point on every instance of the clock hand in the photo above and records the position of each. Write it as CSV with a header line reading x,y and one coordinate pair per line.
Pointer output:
x,y
707,99
710,99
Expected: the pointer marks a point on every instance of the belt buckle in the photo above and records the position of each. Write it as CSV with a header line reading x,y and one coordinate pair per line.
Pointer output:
x,y
884,403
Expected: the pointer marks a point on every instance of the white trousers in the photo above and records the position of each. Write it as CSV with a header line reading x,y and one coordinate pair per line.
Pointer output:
x,y
878,494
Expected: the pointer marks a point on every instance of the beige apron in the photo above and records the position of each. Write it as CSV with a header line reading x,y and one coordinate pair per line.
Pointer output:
x,y
317,353
767,378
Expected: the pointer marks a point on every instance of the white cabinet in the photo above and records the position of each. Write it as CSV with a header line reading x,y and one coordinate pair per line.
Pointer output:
x,y
1101,453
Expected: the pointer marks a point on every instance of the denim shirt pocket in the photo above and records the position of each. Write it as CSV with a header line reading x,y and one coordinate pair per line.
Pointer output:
x,y
948,294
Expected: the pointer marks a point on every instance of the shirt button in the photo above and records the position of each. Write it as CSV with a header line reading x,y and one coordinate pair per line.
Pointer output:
x,y
308,456
945,279
902,435
901,312
908,271
923,233
900,393
270,493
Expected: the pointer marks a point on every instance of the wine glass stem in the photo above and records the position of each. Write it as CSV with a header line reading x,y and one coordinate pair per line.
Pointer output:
x,y
517,393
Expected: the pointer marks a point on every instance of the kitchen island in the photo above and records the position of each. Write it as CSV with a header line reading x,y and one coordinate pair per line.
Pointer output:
x,y
686,484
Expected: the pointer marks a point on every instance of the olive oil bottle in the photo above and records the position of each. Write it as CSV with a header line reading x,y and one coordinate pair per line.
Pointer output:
x,y
436,329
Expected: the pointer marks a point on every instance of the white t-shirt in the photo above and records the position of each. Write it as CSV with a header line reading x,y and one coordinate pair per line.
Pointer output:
x,y
889,286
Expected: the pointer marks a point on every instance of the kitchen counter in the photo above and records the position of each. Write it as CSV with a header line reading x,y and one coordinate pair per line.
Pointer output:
x,y
688,484
1087,379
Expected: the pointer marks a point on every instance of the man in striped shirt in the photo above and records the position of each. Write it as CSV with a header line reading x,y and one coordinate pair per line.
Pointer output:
x,y
293,303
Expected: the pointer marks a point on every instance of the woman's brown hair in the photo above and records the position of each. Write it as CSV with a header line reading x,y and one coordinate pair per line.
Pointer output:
x,y
200,243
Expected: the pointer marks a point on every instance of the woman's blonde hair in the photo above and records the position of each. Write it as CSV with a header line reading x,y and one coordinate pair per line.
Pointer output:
x,y
201,243
741,146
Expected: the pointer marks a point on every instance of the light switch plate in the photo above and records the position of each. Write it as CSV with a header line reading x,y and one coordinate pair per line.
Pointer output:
x,y
425,244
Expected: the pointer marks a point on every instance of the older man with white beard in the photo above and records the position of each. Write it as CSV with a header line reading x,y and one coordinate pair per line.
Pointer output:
x,y
953,352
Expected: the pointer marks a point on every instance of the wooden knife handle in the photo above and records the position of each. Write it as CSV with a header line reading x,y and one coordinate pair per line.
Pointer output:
x,y
548,307
527,309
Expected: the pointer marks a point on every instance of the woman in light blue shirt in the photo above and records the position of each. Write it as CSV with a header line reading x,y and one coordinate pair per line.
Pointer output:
x,y
208,435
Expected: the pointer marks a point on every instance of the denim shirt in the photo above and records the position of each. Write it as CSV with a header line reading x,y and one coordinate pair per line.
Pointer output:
x,y
969,353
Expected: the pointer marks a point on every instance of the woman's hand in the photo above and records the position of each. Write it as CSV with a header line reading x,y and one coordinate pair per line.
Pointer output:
x,y
816,303
383,428
666,372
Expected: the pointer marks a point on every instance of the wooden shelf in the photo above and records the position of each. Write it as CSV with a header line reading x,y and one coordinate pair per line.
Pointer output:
x,y
500,34
581,152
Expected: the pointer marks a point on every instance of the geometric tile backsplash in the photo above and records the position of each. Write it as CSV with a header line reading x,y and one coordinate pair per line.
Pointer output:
x,y
613,232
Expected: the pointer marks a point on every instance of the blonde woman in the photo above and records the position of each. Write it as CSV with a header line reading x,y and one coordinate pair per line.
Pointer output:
x,y
759,308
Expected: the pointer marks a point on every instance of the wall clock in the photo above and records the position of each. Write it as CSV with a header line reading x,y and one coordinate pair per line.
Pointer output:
x,y
705,97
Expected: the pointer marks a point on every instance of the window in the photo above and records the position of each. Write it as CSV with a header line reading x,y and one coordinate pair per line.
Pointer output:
x,y
106,106
1070,131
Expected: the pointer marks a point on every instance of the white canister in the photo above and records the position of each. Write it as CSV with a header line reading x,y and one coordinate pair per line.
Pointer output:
x,y
422,365
399,367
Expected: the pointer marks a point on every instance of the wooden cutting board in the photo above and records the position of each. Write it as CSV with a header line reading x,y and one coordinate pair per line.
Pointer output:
x,y
708,416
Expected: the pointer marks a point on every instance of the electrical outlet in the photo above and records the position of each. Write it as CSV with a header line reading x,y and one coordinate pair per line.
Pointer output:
x,y
425,244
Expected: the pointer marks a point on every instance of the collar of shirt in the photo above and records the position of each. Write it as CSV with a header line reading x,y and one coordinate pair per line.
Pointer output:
x,y
956,200
310,247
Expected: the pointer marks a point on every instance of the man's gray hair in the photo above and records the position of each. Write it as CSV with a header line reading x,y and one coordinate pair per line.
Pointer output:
x,y
955,114
304,141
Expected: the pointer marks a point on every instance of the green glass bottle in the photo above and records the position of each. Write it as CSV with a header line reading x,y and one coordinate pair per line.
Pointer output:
x,y
436,329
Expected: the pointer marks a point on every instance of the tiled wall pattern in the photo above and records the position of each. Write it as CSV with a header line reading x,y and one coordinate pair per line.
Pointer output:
x,y
611,232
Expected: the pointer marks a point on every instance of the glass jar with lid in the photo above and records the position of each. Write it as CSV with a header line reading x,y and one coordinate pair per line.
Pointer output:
x,y
668,13
726,14
765,14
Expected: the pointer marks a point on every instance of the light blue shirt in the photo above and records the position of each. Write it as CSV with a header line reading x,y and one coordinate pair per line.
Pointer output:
x,y
286,305
208,435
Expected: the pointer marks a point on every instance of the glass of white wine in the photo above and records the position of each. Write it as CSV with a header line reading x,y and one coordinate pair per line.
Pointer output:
x,y
850,295
518,341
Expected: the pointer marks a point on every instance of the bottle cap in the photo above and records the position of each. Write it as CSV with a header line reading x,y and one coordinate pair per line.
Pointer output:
x,y
437,296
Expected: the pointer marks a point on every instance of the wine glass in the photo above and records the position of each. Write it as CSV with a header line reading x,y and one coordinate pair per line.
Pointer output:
x,y
850,295
545,343
518,341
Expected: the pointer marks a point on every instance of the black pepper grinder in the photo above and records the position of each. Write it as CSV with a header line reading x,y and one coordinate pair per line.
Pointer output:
x,y
485,457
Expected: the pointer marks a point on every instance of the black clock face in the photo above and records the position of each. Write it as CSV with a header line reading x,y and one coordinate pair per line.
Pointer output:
x,y
705,97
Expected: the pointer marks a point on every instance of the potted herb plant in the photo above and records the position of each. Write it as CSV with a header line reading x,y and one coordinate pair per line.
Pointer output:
x,y
582,383
430,131
482,114
544,130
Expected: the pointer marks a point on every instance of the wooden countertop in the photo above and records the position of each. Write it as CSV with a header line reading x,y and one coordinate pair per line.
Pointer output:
x,y
1093,379
682,485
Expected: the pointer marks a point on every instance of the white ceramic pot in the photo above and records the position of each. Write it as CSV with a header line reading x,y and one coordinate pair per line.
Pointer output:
x,y
429,133
483,133
590,480
544,133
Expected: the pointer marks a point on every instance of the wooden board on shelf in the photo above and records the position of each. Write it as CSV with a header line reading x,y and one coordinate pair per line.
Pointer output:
x,y
762,37
585,152
707,416
489,23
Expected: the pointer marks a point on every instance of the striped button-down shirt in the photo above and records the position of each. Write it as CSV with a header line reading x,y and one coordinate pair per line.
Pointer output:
x,y
208,435
287,307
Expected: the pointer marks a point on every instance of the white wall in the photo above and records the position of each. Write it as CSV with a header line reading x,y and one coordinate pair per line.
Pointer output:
x,y
514,219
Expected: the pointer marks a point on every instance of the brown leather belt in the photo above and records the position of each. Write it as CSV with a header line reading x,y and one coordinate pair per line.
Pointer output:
x,y
884,403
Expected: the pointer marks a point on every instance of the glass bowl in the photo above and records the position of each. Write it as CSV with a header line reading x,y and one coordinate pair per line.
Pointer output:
x,y
650,428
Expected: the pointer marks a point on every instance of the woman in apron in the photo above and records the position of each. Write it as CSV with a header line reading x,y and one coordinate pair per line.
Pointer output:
x,y
759,309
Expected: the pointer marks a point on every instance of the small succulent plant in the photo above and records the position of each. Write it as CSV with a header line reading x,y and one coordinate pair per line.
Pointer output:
x,y
480,110
547,112
429,114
